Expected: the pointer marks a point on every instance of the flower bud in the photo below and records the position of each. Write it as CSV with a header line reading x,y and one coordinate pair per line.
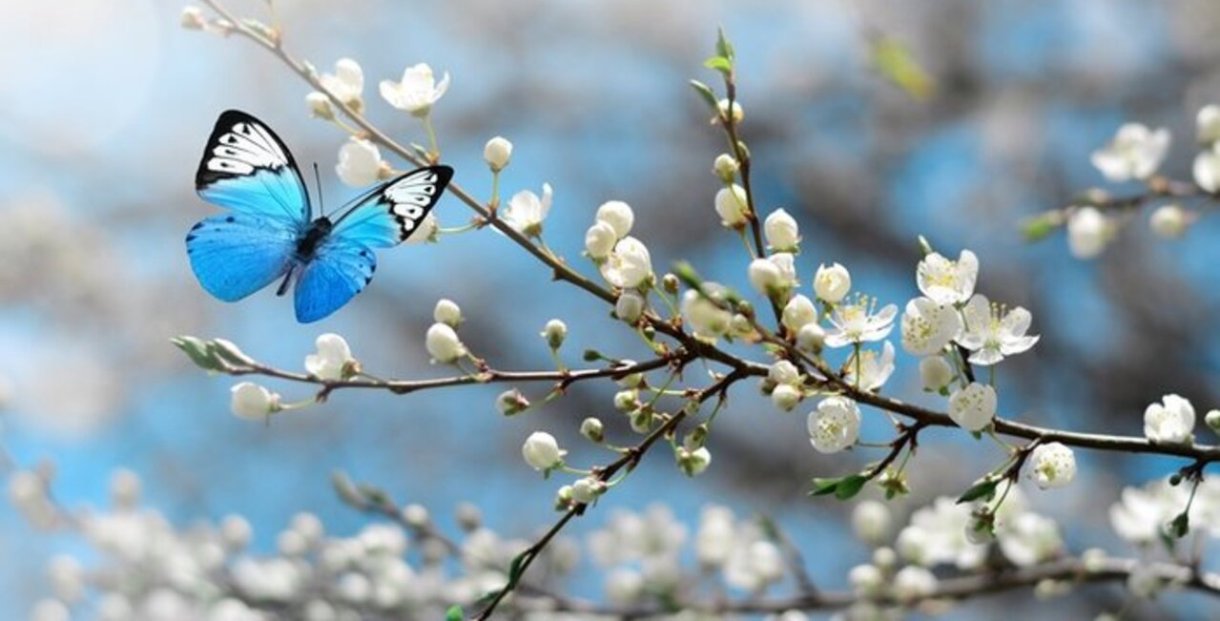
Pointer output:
x,y
738,113
1169,221
592,429
732,205
1088,232
782,232
1212,420
693,463
555,332
669,282
798,312
618,215
810,337
1207,124
725,167
541,451
587,489
629,306
512,402
447,312
785,397
935,373
192,18
626,400
765,277
784,372
249,400
333,361
832,283
443,344
599,240
497,152
980,528
320,106
872,522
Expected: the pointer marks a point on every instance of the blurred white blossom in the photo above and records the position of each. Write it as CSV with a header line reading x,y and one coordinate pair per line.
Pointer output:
x,y
346,83
1170,422
1088,231
1134,153
360,163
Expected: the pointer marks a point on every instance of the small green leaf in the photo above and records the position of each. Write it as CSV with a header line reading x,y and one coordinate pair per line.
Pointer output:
x,y
895,63
687,274
723,47
346,489
1179,526
719,63
515,569
981,490
850,486
823,487
1041,225
706,93
454,613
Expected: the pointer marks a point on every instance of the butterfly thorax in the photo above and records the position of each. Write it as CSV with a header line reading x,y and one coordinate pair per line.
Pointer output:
x,y
308,244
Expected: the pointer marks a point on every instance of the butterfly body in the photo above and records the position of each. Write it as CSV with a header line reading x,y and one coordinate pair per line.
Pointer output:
x,y
270,232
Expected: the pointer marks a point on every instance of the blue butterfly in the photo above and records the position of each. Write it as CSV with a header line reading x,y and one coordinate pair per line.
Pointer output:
x,y
269,231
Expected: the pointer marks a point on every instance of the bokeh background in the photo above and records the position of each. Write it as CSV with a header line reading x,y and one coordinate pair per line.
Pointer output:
x,y
105,106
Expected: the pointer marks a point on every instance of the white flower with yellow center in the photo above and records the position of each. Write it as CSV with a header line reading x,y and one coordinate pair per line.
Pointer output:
x,y
834,425
417,91
927,326
993,332
945,281
857,323
873,369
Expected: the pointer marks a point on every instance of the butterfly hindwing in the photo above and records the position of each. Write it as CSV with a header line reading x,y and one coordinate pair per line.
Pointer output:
x,y
389,213
237,254
339,270
246,168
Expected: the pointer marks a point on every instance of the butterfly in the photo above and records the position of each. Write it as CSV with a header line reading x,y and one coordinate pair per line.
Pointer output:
x,y
269,231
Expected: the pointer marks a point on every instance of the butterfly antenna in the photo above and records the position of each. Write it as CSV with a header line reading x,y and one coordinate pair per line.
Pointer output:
x,y
317,178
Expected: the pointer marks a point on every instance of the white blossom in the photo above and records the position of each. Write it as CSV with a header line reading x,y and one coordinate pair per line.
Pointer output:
x,y
693,462
600,240
447,312
511,402
586,489
973,407
935,373
1207,124
320,106
192,18
782,232
525,211
1170,422
1052,465
856,323
592,429
497,152
785,397
443,344
866,580
541,451
732,205
773,276
1206,169
346,83
872,521
417,91
618,215
873,369
554,332
735,113
928,326
1134,153
810,337
1088,231
333,359
1212,420
1169,221
945,281
725,166
991,333
249,400
629,264
798,312
629,306
360,163
832,283
784,372
834,425
913,582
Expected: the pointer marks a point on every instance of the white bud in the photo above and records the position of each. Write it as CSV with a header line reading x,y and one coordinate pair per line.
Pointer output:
x,y
618,215
782,231
249,400
935,373
798,312
320,106
447,312
732,206
1088,232
629,306
555,332
1169,221
765,276
866,580
832,283
738,112
693,463
872,522
586,490
192,18
511,402
592,429
626,400
360,163
235,531
912,582
541,451
1207,124
629,264
810,338
443,344
1212,420
785,397
725,167
784,372
497,152
333,360
1052,465
973,407
599,240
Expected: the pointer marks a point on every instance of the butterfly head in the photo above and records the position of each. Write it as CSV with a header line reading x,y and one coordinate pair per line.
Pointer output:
x,y
308,243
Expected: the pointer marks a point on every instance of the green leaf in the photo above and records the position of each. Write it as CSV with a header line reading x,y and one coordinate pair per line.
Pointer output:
x,y
896,64
1179,526
454,613
706,93
850,486
981,490
515,569
723,47
687,274
823,487
719,63
1041,225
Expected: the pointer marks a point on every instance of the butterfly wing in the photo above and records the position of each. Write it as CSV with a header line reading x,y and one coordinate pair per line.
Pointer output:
x,y
339,270
237,254
246,168
389,213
